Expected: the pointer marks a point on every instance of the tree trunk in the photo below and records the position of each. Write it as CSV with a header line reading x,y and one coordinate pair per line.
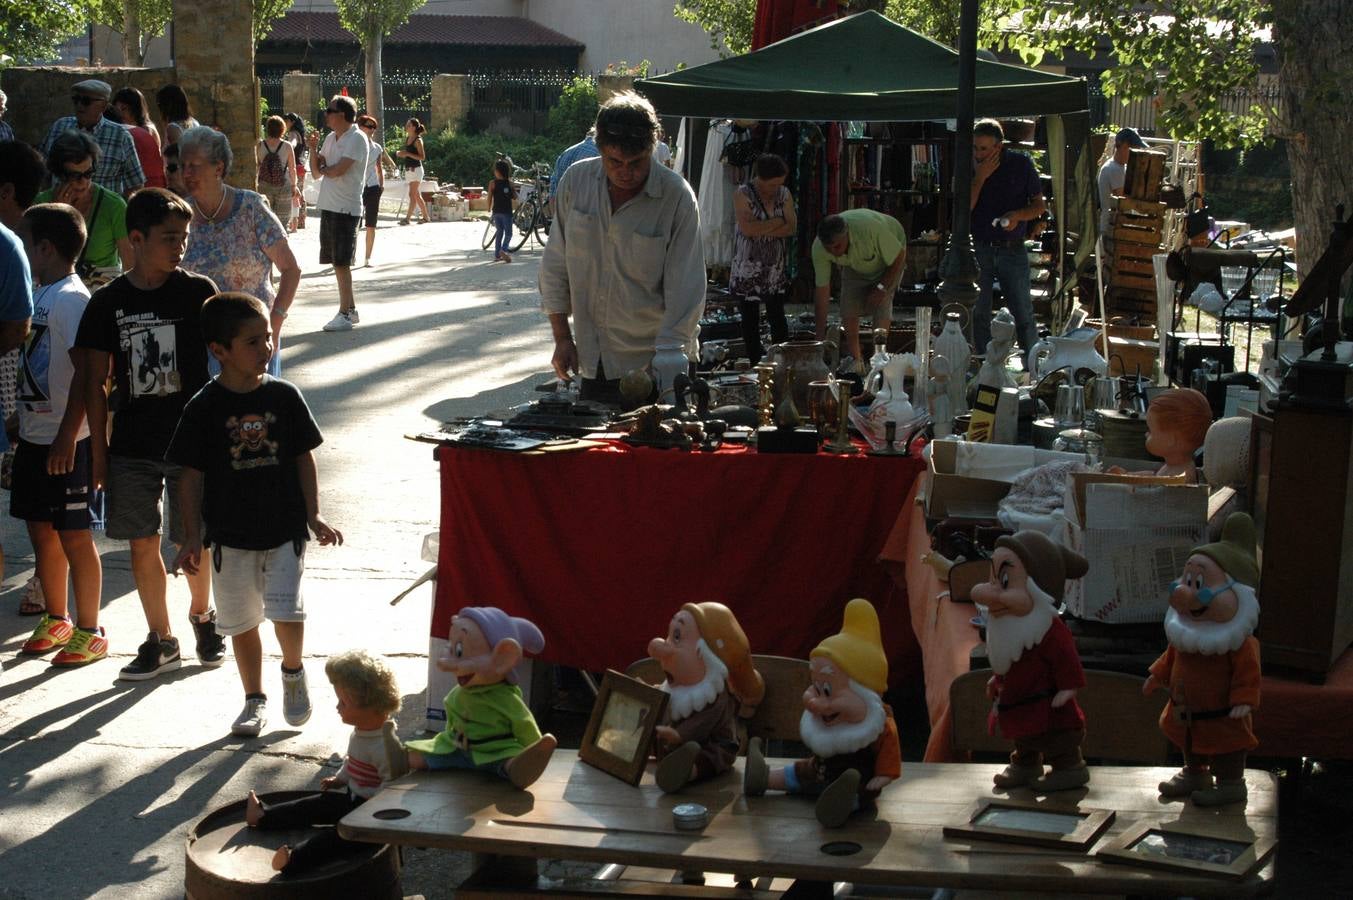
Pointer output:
x,y
1315,46
132,54
375,93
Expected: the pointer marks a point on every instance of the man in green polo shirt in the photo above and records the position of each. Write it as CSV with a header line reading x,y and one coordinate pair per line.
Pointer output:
x,y
871,249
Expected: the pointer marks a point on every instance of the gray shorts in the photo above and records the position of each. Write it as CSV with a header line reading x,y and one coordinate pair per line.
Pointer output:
x,y
252,585
855,290
135,487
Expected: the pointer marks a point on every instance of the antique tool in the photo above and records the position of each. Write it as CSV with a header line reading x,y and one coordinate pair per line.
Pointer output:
x,y
561,416
841,443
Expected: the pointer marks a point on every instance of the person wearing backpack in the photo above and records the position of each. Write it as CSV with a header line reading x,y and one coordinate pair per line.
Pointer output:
x,y
276,168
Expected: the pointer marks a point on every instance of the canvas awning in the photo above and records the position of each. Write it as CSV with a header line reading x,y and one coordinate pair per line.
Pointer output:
x,y
861,68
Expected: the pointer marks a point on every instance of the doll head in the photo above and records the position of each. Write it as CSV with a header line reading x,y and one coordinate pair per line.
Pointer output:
x,y
485,645
1177,422
843,706
705,642
1213,605
1028,577
366,688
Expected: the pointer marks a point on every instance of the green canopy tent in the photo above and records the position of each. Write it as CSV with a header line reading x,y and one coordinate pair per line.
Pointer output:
x,y
868,68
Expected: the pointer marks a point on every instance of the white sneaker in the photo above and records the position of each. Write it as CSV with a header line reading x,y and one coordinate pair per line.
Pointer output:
x,y
354,316
339,322
252,719
295,698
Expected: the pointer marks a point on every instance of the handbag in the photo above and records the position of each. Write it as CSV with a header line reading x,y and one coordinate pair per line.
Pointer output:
x,y
740,153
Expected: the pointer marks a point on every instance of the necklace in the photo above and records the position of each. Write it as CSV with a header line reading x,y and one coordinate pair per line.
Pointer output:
x,y
212,217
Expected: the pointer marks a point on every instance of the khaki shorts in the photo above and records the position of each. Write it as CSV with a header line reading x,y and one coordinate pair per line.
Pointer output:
x,y
855,290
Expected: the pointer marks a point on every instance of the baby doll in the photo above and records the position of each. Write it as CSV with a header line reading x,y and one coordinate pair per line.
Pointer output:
x,y
1177,421
367,697
488,725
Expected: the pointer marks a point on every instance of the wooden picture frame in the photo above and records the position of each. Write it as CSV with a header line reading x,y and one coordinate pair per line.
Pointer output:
x,y
1195,847
1038,824
620,729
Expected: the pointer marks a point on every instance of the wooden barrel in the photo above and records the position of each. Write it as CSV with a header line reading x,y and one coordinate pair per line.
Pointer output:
x,y
228,860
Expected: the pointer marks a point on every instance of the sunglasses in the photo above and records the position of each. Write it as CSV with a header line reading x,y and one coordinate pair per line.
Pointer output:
x,y
1207,595
82,100
81,175
333,112
171,168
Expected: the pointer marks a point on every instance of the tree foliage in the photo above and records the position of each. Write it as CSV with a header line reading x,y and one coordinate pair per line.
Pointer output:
x,y
32,30
265,13
575,112
138,21
368,19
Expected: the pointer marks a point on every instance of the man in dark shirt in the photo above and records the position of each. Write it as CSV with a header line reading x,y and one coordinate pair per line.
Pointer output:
x,y
1006,197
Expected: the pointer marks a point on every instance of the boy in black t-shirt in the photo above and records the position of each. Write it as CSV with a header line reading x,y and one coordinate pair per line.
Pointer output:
x,y
244,444
145,324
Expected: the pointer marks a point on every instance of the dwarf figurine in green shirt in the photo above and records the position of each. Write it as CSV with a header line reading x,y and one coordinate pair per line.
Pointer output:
x,y
488,725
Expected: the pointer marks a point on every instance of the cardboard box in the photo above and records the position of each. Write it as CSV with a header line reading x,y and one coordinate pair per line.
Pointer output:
x,y
972,496
1136,534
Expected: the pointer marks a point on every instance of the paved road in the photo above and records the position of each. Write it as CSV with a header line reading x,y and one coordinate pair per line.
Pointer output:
x,y
100,779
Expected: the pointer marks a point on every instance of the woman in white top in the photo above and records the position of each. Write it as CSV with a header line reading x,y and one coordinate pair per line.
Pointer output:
x,y
375,181
412,155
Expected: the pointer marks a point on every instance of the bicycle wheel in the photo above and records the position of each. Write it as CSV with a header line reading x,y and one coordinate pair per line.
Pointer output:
x,y
523,221
487,242
543,223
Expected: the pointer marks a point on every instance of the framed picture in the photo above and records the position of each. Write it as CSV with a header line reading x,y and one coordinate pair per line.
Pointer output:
x,y
1194,847
1020,822
620,729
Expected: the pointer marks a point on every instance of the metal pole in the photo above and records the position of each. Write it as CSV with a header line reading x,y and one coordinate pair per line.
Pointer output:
x,y
958,269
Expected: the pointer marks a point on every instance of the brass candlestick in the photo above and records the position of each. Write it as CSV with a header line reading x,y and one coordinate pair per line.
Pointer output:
x,y
765,397
841,443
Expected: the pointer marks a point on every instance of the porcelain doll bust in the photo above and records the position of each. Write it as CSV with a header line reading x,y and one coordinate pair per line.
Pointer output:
x,y
1176,426
488,725
710,681
1211,667
1033,655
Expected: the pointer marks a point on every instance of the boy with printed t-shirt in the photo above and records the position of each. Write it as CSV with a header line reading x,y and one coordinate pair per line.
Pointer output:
x,y
245,444
51,463
145,325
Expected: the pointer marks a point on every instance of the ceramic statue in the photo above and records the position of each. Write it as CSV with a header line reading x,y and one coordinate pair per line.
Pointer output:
x,y
938,397
1033,655
1211,667
1076,351
710,682
994,372
846,726
1176,426
953,346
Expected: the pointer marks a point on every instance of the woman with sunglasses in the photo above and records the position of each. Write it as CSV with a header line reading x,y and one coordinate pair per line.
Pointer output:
x,y
375,181
413,155
72,159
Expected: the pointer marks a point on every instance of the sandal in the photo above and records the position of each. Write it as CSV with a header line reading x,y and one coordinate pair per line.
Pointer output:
x,y
32,603
403,221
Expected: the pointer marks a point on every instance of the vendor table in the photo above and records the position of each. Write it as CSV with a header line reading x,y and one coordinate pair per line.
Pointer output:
x,y
577,812
1294,718
600,547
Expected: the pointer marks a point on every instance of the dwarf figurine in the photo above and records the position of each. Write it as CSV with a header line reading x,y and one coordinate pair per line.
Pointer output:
x,y
710,681
1177,422
845,723
488,725
1211,667
1038,670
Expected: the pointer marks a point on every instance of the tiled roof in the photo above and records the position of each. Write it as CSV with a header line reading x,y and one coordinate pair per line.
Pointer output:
x,y
462,31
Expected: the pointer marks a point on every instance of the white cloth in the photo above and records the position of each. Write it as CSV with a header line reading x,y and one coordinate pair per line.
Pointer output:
x,y
45,380
343,193
1112,177
717,221
662,154
633,279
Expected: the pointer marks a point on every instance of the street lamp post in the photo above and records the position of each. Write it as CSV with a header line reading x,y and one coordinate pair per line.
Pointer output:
x,y
958,269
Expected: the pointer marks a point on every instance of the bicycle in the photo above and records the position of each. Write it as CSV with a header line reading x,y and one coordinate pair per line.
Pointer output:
x,y
533,215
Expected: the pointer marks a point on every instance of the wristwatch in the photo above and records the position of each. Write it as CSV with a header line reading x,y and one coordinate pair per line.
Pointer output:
x,y
280,313
880,287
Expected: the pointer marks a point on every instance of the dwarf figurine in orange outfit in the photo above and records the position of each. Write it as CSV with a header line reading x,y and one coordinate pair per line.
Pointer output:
x,y
1038,670
845,723
1211,667
711,681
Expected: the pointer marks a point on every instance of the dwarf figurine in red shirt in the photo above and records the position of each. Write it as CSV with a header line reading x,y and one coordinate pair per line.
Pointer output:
x,y
710,681
1211,667
845,723
1038,670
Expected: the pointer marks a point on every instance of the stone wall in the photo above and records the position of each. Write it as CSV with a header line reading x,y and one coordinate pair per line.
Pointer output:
x,y
39,95
452,98
301,94
214,56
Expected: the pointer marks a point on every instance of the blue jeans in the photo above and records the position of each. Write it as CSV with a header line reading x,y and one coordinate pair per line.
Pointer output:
x,y
503,236
1009,266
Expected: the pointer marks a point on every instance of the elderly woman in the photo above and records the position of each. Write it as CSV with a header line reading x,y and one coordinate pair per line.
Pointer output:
x,y
234,238
764,210
72,159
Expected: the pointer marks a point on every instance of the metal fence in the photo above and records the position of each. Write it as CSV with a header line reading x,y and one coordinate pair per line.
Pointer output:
x,y
508,101
1140,113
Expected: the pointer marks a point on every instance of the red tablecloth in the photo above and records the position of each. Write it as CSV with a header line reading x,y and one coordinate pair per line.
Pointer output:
x,y
599,548
1294,718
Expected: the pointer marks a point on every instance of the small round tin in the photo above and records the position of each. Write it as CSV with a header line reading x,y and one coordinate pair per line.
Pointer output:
x,y
690,816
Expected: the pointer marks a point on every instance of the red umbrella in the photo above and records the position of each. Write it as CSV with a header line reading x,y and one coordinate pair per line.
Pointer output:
x,y
778,19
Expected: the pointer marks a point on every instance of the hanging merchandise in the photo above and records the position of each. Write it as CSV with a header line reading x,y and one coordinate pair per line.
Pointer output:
x,y
716,200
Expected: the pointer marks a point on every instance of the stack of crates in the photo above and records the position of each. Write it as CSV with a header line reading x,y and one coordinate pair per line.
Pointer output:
x,y
1136,229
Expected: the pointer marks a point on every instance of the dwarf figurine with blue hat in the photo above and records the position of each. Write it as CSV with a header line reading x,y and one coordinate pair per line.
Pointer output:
x,y
1211,667
488,725
846,724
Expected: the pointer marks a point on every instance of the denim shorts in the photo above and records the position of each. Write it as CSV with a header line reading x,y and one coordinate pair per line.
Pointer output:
x,y
135,488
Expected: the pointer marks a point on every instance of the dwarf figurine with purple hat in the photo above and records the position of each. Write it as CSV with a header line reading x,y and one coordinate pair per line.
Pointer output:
x,y
1037,669
710,682
1211,667
488,725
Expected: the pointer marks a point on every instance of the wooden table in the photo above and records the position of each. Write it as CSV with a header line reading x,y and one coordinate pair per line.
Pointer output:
x,y
578,812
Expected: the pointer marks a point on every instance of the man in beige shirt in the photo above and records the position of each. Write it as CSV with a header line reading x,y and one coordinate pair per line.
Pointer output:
x,y
624,258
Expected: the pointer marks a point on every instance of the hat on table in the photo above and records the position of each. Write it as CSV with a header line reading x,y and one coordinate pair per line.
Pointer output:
x,y
723,635
1130,137
93,87
1048,563
498,625
858,648
1235,551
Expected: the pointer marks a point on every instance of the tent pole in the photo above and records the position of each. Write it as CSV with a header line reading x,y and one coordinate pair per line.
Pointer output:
x,y
958,269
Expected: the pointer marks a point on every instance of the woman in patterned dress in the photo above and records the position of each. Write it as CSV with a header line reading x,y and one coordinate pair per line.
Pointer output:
x,y
764,210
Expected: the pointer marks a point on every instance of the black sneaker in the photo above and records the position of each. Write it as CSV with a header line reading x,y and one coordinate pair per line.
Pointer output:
x,y
152,658
210,645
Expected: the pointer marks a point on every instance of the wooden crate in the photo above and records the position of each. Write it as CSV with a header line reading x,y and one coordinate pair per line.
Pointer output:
x,y
1145,169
